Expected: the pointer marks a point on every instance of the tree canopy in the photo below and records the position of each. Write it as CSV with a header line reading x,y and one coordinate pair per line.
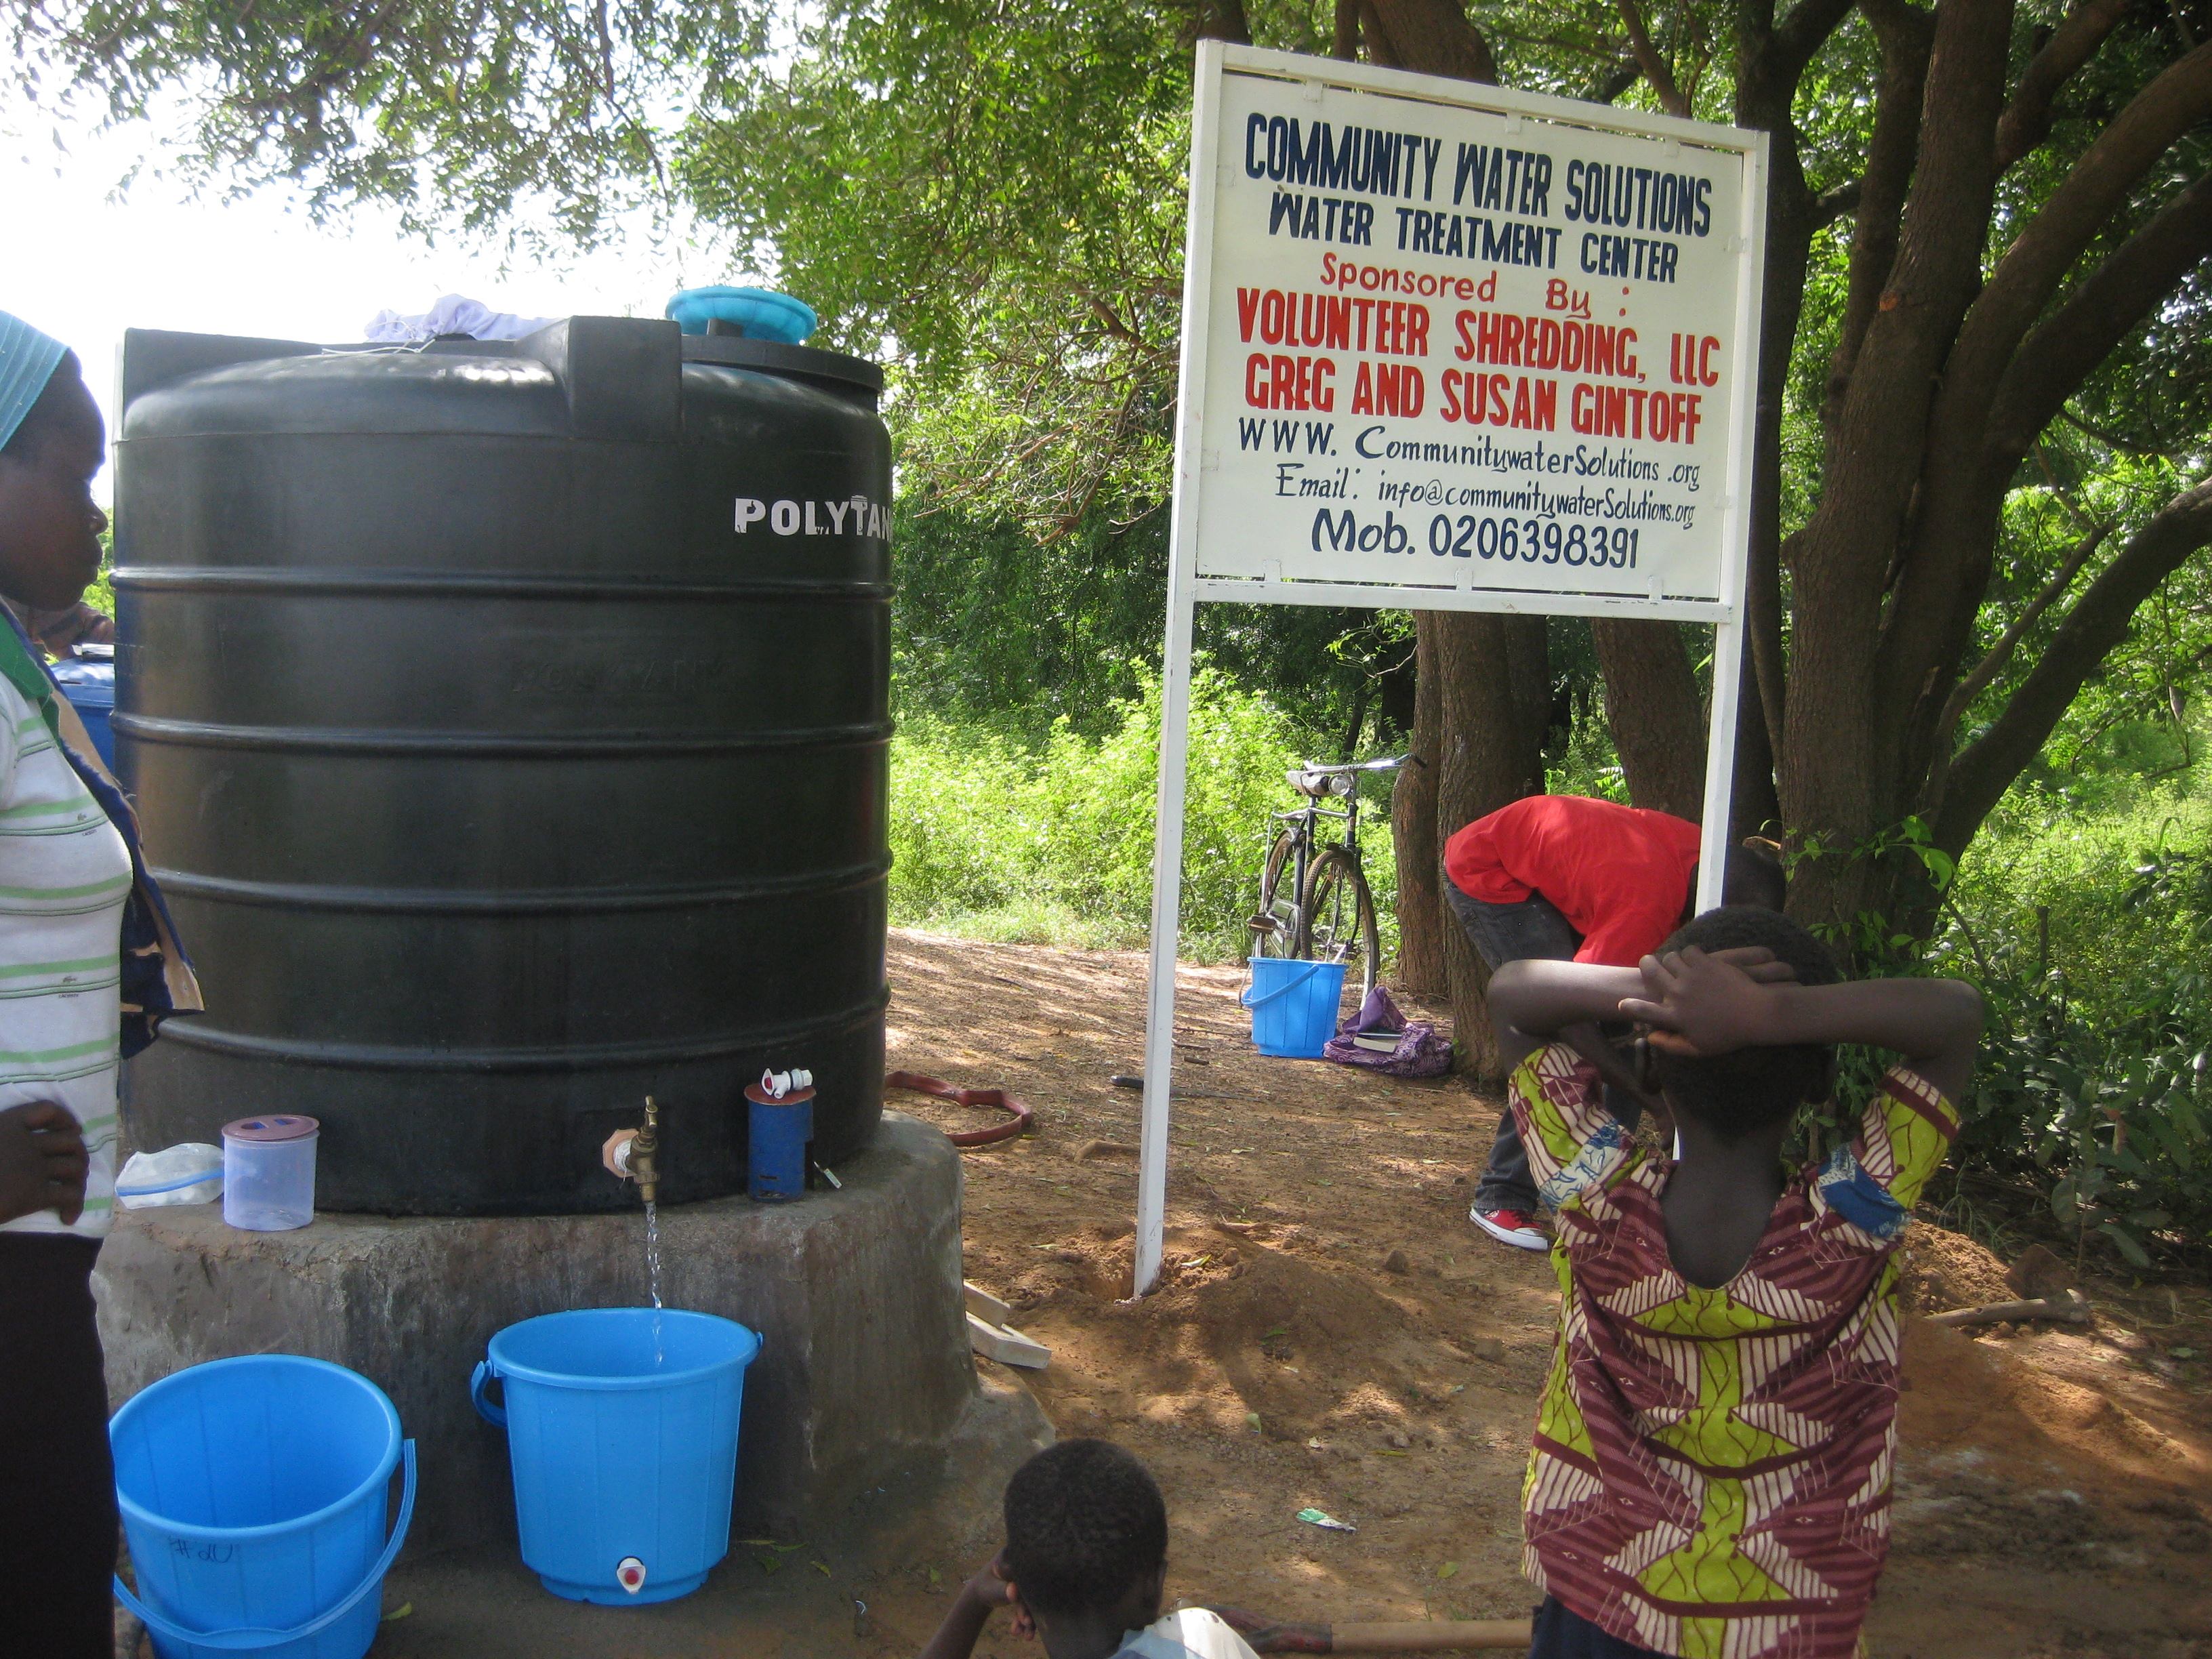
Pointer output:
x,y
1985,411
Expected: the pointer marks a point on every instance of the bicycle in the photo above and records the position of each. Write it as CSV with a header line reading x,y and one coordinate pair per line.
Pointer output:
x,y
1314,905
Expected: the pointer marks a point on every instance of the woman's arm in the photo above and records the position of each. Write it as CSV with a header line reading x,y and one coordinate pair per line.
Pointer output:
x,y
1703,1005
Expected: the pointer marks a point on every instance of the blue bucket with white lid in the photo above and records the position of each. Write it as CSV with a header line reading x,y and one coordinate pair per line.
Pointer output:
x,y
622,1429
254,1493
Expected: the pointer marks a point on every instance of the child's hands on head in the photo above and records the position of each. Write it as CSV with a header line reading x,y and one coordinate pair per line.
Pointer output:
x,y
1698,1004
990,1588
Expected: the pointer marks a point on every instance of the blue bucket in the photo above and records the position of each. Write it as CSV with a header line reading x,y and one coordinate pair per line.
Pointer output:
x,y
1293,1005
624,1445
253,1494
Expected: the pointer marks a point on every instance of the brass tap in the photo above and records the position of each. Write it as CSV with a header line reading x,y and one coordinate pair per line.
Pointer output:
x,y
643,1147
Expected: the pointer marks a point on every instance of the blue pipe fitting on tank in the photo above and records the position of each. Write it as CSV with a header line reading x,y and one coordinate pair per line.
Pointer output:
x,y
780,1123
759,313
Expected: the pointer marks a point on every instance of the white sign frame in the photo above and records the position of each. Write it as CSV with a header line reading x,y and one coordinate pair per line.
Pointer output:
x,y
1187,588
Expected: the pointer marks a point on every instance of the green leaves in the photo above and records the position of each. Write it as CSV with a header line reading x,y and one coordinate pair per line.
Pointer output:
x,y
2092,1083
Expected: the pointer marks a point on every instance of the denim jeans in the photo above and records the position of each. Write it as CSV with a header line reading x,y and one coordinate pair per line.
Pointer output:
x,y
1532,929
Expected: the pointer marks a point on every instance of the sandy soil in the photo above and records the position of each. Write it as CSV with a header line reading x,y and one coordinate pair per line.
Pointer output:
x,y
1332,1333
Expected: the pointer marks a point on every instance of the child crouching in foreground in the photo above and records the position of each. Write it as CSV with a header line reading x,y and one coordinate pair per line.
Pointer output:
x,y
1084,1567
1711,1472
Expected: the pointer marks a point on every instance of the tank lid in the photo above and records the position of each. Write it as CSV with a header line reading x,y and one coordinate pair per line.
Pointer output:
x,y
277,1127
779,358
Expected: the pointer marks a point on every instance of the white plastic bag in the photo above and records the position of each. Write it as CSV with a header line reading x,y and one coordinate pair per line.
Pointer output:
x,y
190,1173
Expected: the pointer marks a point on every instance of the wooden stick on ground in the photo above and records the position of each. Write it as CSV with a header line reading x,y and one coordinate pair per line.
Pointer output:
x,y
1423,1636
1430,1636
2073,1310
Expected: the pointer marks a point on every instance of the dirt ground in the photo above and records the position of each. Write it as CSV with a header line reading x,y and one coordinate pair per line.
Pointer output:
x,y
1332,1333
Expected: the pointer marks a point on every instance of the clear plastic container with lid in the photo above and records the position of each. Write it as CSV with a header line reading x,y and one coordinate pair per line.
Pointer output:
x,y
269,1172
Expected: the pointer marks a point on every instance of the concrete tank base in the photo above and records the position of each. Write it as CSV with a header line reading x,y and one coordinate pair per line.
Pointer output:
x,y
863,1413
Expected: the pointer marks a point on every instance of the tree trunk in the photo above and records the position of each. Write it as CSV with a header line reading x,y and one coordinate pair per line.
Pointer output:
x,y
1652,706
1422,922
1755,809
1494,700
1485,676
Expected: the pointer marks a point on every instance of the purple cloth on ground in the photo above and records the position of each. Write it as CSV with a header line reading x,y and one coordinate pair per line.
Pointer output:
x,y
1420,1051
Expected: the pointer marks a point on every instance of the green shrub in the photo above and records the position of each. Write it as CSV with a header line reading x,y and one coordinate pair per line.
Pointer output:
x,y
1052,842
2089,930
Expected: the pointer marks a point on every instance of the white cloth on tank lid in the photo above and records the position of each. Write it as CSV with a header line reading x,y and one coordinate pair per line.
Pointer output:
x,y
453,314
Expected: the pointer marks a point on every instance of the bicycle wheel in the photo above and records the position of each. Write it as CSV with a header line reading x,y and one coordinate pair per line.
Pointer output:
x,y
1275,923
1338,921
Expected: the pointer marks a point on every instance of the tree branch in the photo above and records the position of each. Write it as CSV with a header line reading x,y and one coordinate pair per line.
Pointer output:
x,y
1992,664
2027,119
1432,36
1832,205
1654,66
2108,306
1347,31
2096,189
1802,31
1983,770
2115,442
1616,79
1376,36
1655,713
1905,34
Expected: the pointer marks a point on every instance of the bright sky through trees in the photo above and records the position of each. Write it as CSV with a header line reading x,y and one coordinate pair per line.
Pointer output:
x,y
84,268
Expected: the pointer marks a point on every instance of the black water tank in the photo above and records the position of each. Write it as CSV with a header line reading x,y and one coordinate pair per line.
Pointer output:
x,y
508,724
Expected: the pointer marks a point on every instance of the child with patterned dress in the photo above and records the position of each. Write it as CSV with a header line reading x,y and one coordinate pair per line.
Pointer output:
x,y
1711,1472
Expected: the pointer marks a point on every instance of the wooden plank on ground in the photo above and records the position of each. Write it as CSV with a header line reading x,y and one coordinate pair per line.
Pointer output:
x,y
985,1306
1008,1346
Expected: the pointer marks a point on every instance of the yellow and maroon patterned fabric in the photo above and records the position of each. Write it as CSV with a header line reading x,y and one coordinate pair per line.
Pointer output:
x,y
1711,1472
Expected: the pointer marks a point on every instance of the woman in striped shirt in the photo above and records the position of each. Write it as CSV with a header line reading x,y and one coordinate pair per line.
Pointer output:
x,y
65,878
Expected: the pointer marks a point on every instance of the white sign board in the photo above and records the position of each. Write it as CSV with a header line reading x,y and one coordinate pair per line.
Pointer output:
x,y
1447,347
1452,336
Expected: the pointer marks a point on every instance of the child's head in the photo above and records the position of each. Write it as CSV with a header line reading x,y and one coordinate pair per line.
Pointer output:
x,y
1739,1094
1086,1535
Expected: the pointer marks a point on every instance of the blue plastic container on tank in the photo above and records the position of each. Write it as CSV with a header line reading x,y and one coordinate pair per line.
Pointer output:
x,y
1293,1005
622,1427
254,1493
777,1132
90,688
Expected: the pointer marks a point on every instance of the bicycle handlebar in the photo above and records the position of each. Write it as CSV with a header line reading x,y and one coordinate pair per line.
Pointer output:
x,y
1391,764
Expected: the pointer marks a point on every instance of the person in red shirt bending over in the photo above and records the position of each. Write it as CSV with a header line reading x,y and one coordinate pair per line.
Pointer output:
x,y
1568,879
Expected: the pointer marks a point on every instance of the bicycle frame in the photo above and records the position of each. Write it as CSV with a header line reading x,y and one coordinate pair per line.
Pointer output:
x,y
1305,842
1304,823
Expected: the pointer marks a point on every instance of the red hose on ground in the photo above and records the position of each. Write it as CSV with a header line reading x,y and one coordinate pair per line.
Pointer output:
x,y
1021,1123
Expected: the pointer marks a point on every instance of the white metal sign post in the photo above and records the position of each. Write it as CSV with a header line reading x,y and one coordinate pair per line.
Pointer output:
x,y
1447,347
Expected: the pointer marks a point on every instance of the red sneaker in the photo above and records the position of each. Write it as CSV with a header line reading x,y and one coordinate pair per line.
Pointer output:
x,y
1511,1227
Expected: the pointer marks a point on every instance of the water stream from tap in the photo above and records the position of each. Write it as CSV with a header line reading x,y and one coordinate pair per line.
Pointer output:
x,y
652,1275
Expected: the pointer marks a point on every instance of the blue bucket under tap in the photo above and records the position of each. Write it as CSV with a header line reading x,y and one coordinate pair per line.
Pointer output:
x,y
622,1427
